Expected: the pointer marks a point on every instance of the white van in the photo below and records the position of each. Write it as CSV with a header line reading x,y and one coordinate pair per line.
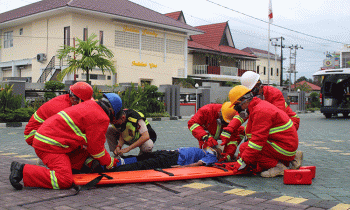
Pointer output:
x,y
335,91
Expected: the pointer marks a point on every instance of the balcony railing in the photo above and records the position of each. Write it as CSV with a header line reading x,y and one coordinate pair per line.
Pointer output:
x,y
223,70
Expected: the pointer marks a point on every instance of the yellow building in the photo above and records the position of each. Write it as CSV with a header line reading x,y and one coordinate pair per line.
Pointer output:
x,y
274,74
147,46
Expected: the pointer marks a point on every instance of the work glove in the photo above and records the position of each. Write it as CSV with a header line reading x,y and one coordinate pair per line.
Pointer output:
x,y
115,162
225,157
201,143
211,142
225,137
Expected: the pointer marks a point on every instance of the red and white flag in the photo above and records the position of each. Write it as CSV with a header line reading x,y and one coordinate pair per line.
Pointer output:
x,y
270,12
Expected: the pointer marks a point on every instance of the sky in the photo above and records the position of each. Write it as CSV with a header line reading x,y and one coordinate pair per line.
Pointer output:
x,y
316,27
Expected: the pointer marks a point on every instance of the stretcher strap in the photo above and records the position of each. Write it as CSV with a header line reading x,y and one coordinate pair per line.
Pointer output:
x,y
161,170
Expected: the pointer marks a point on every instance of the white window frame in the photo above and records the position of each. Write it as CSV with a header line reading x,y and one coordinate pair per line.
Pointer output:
x,y
8,39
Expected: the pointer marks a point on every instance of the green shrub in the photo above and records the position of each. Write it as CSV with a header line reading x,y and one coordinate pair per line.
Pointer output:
x,y
18,115
53,86
8,100
97,93
144,99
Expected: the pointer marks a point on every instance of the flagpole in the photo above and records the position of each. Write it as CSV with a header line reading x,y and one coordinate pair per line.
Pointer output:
x,y
268,57
270,15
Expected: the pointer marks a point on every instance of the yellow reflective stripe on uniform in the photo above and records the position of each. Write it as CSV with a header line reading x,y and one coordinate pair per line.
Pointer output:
x,y
226,134
296,116
37,118
286,104
72,125
88,160
238,118
54,182
146,121
101,154
281,128
240,161
217,133
280,150
249,135
32,133
111,164
194,126
254,146
141,114
48,140
131,119
233,142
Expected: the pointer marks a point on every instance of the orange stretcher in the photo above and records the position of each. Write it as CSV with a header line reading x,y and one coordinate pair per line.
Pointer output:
x,y
153,175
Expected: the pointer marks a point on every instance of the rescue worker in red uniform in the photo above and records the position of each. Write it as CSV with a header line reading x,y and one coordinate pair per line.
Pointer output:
x,y
80,91
272,138
251,80
83,125
207,124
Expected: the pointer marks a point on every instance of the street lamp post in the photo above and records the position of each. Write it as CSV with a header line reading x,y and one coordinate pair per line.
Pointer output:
x,y
196,86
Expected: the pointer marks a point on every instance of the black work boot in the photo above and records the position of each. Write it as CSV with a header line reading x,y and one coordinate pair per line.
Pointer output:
x,y
16,175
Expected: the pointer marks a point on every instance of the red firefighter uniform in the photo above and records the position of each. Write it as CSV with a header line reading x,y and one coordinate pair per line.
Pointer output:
x,y
205,124
83,125
275,97
45,111
271,136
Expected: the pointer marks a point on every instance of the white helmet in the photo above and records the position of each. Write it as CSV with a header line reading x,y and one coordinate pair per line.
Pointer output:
x,y
249,79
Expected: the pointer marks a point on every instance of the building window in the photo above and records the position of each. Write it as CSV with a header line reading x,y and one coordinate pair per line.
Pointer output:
x,y
277,73
101,37
66,36
85,34
109,77
21,31
264,70
257,70
212,61
8,39
271,71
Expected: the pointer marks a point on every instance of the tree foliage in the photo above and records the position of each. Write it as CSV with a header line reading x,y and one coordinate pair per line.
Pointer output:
x,y
53,86
143,98
88,55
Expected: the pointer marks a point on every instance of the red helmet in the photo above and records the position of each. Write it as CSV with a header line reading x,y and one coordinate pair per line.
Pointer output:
x,y
82,90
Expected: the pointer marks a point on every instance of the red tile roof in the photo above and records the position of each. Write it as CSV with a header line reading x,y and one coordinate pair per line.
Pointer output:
x,y
212,36
174,15
313,87
211,40
122,8
254,50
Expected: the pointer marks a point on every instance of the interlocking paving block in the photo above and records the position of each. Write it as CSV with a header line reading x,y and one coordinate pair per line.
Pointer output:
x,y
296,200
197,185
264,195
241,192
283,198
341,206
326,204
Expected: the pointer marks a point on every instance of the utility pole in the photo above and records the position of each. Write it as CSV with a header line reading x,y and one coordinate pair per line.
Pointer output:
x,y
282,46
292,60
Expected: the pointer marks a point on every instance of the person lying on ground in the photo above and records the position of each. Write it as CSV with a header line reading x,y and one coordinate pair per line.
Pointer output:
x,y
182,157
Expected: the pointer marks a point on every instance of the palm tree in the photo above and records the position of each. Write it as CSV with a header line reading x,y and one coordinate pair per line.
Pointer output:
x,y
88,55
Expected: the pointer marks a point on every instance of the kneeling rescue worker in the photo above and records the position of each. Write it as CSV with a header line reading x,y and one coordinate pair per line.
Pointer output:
x,y
79,92
272,138
207,127
83,125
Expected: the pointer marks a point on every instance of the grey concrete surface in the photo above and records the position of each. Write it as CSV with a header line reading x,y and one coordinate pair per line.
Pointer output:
x,y
325,143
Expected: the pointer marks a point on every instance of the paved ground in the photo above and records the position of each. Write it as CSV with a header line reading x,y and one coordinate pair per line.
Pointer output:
x,y
325,143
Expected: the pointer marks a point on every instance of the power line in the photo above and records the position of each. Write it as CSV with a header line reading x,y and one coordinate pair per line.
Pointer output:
x,y
275,24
